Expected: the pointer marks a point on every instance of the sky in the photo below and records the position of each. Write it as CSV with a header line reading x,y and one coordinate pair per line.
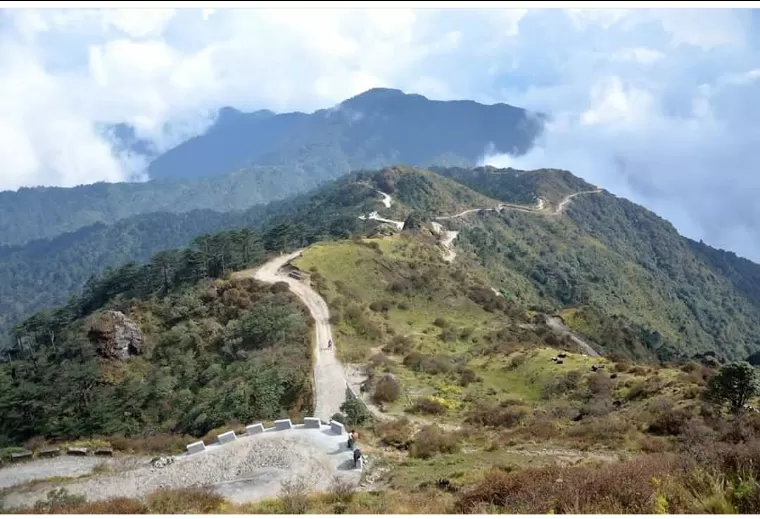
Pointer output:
x,y
658,106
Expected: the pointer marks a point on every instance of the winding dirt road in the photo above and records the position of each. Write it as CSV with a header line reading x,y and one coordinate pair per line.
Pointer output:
x,y
329,375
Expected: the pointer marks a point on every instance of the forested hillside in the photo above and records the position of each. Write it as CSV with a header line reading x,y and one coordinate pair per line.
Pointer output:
x,y
613,270
48,272
248,159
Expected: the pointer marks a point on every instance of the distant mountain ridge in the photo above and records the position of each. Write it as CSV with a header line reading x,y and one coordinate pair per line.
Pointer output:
x,y
248,158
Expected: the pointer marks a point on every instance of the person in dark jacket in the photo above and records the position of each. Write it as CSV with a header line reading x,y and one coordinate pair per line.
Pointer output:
x,y
357,457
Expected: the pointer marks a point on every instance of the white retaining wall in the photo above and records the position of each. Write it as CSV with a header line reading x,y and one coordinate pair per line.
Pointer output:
x,y
333,427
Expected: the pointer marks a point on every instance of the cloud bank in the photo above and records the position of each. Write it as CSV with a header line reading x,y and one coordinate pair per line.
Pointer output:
x,y
658,106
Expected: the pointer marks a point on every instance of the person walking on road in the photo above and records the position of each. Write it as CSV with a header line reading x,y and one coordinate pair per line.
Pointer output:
x,y
329,344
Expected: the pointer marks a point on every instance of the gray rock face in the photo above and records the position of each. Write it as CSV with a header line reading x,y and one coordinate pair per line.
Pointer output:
x,y
115,336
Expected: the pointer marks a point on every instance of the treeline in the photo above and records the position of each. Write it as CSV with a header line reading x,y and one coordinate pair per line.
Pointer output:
x,y
47,272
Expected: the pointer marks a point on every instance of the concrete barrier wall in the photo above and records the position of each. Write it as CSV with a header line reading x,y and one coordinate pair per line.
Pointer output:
x,y
279,425
283,425
254,429
227,437
312,423
196,447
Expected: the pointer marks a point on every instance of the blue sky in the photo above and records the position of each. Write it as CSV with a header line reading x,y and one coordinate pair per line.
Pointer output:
x,y
657,106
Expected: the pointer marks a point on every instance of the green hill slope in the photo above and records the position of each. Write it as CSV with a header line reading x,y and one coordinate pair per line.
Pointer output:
x,y
480,404
613,270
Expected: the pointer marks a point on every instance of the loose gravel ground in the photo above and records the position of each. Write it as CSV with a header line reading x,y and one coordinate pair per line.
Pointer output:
x,y
63,466
248,469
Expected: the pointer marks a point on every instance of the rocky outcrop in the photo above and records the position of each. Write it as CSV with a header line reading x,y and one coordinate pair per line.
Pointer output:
x,y
115,336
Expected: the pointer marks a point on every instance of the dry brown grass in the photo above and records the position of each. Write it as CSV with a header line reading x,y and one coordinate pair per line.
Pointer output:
x,y
181,501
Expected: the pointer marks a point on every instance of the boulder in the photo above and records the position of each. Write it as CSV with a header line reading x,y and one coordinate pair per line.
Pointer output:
x,y
115,336
162,461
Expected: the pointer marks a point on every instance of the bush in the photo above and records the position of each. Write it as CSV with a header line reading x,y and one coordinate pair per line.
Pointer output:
x,y
416,361
644,389
432,440
617,488
440,322
184,501
467,377
398,345
497,415
387,389
600,385
59,500
294,495
428,405
380,306
380,359
161,443
355,411
279,287
342,490
396,434
561,386
670,423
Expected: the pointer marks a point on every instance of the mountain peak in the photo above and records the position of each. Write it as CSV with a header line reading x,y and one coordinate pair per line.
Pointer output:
x,y
379,95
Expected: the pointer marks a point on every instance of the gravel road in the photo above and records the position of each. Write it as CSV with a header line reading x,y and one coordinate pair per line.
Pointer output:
x,y
63,466
248,469
329,377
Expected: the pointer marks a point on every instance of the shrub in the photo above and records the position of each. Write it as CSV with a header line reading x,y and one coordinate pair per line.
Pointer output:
x,y
517,360
644,389
429,405
380,306
354,410
58,500
294,495
342,490
670,422
600,385
398,345
432,440
387,389
497,415
184,501
561,386
467,377
161,443
449,334
417,361
279,287
396,434
440,322
623,487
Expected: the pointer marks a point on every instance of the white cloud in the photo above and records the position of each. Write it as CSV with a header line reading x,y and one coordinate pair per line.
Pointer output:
x,y
681,141
659,106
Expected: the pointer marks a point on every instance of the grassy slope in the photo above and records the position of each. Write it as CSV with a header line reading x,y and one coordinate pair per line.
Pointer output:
x,y
519,406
